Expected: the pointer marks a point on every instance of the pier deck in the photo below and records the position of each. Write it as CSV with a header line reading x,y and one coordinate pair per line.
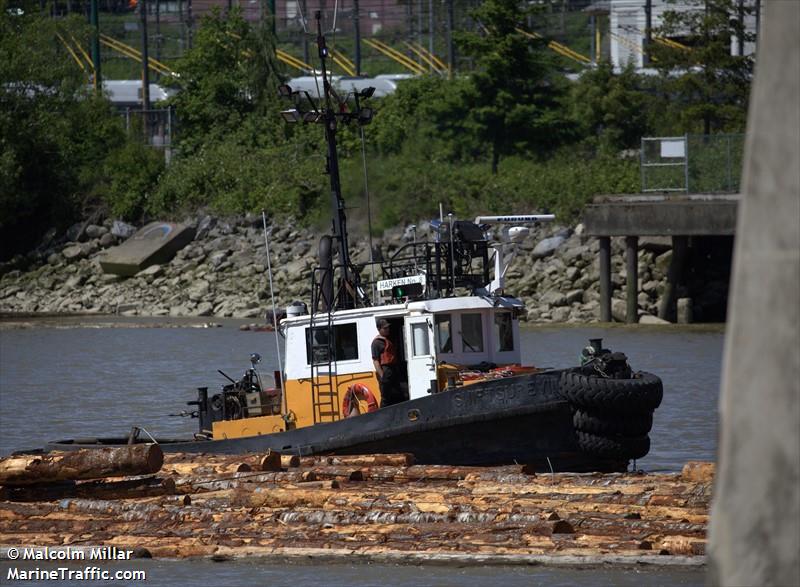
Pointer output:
x,y
679,216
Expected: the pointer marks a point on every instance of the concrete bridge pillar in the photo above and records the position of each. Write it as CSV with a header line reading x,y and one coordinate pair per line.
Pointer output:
x,y
680,246
632,279
605,278
755,519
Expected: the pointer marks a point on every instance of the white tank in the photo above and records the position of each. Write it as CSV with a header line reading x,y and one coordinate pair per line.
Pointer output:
x,y
296,309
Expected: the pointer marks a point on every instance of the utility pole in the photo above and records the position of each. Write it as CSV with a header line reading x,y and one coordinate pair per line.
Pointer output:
x,y
357,29
158,29
273,17
182,27
430,26
451,48
98,80
145,66
648,31
419,23
740,32
303,13
189,22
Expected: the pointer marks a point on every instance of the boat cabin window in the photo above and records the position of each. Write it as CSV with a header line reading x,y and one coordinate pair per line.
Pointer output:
x,y
503,332
472,333
344,345
444,339
419,339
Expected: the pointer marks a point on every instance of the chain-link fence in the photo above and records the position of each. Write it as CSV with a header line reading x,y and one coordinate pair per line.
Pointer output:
x,y
692,163
414,28
156,128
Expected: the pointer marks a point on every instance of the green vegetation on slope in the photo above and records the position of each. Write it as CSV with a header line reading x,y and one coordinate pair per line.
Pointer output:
x,y
510,134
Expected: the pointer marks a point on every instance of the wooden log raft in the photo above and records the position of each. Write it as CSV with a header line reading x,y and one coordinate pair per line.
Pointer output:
x,y
365,509
393,460
95,463
125,489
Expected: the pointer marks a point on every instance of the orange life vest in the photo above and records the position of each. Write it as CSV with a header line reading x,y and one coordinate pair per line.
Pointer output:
x,y
388,356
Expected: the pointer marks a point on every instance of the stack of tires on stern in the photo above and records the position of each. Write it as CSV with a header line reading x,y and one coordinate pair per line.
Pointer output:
x,y
612,406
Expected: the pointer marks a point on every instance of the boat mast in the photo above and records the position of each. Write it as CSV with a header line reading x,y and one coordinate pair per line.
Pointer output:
x,y
332,168
346,292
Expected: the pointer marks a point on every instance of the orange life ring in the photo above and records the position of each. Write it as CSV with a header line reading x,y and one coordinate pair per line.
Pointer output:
x,y
358,392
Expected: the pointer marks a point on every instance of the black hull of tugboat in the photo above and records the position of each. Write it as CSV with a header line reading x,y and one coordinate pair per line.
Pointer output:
x,y
522,419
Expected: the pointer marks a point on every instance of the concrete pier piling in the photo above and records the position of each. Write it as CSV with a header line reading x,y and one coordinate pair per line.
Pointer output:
x,y
755,524
680,216
632,279
605,278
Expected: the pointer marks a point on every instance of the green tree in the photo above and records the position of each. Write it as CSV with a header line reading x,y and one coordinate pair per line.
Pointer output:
x,y
610,109
230,73
54,133
236,154
426,115
515,93
706,86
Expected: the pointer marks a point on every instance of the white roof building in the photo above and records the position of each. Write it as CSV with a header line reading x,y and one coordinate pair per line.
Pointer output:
x,y
628,21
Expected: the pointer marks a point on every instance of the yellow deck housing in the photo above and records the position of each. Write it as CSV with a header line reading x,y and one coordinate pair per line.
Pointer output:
x,y
248,427
299,396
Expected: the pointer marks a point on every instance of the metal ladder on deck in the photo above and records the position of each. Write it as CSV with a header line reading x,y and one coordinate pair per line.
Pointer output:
x,y
324,395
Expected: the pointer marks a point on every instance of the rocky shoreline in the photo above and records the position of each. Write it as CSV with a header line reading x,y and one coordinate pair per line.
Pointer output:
x,y
223,272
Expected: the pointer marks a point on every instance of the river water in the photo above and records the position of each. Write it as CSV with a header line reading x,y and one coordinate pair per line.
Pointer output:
x,y
69,378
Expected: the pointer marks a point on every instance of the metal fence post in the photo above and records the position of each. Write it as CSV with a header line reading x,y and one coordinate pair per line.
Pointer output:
x,y
642,166
686,161
730,164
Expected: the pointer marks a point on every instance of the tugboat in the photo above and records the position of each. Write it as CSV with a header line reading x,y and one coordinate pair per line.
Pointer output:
x,y
467,399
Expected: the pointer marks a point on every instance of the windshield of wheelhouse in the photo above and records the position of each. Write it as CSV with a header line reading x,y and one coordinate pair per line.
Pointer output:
x,y
472,332
473,337
503,332
444,333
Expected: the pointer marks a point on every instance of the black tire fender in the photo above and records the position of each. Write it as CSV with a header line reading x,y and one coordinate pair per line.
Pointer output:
x,y
614,447
610,423
641,393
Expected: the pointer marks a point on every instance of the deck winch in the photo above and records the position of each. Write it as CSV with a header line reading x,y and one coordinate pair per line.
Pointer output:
x,y
239,399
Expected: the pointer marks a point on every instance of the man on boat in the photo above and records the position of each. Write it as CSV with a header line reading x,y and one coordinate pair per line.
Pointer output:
x,y
384,357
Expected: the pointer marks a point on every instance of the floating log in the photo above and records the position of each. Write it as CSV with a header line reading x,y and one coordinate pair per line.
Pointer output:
x,y
394,460
126,489
290,461
195,485
425,473
209,469
95,463
698,471
235,493
340,473
282,498
270,461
